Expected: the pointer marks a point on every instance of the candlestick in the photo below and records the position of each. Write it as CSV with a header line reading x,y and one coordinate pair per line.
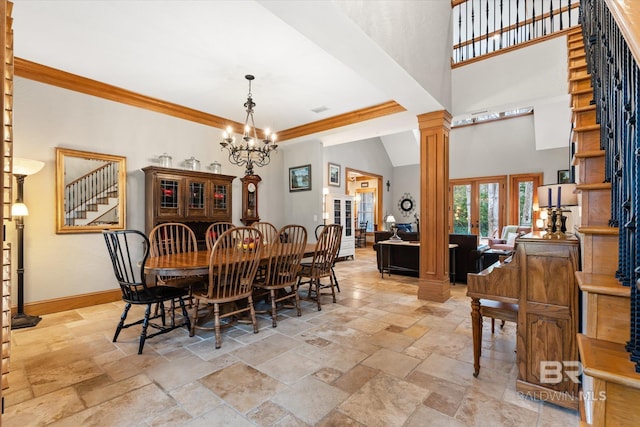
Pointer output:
x,y
559,197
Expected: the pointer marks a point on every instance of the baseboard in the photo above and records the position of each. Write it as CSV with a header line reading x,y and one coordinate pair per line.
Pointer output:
x,y
69,303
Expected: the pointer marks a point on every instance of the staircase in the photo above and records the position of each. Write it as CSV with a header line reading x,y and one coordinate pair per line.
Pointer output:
x,y
610,386
98,211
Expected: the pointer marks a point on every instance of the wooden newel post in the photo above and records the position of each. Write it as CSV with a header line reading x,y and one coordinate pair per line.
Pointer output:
x,y
434,284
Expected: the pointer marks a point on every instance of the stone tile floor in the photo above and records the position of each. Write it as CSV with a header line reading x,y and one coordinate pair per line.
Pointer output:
x,y
378,357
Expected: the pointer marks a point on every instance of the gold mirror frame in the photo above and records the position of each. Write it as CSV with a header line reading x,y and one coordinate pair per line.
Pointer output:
x,y
90,191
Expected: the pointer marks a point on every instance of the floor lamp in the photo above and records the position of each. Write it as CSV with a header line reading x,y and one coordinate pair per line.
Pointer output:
x,y
21,169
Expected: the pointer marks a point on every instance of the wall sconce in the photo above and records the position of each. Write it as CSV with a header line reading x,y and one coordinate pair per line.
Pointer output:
x,y
21,169
388,185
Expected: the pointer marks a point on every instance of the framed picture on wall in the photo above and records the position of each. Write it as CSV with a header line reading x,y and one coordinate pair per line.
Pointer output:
x,y
564,176
300,178
334,174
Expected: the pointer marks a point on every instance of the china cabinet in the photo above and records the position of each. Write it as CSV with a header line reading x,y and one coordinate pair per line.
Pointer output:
x,y
191,197
340,211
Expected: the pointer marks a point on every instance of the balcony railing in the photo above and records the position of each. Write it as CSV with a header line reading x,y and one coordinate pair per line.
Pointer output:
x,y
484,27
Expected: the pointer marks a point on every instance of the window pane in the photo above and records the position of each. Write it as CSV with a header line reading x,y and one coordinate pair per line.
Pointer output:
x,y
489,208
525,203
366,209
461,209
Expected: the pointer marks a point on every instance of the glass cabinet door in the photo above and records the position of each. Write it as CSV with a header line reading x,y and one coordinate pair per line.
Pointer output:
x,y
221,203
337,212
196,198
170,204
348,218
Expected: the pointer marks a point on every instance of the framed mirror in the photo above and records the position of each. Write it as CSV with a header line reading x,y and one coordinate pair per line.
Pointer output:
x,y
90,191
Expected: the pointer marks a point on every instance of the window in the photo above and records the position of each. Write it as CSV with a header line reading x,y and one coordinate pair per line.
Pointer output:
x,y
477,205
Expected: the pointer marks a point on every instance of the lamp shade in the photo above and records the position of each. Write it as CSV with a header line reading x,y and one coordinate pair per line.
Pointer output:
x,y
26,166
548,195
19,209
391,218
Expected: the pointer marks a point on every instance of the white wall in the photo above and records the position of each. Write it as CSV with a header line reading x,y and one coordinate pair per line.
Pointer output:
x,y
368,155
406,179
304,207
399,27
59,265
503,147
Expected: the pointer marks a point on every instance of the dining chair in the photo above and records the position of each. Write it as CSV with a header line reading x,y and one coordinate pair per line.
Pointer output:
x,y
214,231
321,266
174,238
268,230
128,251
234,259
361,234
282,269
318,230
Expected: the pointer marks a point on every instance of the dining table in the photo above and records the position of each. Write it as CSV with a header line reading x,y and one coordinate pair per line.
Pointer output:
x,y
197,263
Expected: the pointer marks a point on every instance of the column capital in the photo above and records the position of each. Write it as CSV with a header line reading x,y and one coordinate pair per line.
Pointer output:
x,y
435,119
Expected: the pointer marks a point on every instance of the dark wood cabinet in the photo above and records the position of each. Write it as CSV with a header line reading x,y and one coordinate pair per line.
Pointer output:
x,y
191,197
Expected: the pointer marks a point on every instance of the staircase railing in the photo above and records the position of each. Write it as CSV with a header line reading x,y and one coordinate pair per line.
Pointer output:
x,y
482,27
86,191
616,85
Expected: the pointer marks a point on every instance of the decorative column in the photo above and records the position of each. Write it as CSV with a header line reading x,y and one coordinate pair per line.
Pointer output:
x,y
434,284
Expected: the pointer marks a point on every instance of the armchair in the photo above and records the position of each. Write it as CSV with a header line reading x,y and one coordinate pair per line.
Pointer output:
x,y
507,239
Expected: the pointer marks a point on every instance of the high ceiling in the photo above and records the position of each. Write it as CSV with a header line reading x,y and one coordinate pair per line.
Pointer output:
x,y
307,56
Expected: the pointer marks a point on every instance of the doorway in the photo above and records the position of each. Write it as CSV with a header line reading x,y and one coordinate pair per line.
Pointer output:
x,y
366,187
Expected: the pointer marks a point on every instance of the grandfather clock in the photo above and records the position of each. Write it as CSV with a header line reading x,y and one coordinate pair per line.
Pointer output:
x,y
250,199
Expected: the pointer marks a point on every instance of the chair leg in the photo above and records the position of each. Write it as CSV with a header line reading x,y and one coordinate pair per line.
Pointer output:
x,y
162,313
216,317
186,322
333,291
122,319
317,283
145,325
194,322
493,325
252,311
333,272
294,289
272,293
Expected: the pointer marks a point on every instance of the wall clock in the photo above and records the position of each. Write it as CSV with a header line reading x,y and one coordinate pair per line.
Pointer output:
x,y
406,204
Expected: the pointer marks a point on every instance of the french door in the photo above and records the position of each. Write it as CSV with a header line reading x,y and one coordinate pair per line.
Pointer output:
x,y
523,196
477,205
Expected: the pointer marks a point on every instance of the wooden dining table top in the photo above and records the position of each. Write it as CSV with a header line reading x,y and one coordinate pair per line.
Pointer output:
x,y
196,263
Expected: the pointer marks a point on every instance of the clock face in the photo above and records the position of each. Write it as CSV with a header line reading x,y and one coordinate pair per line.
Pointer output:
x,y
251,187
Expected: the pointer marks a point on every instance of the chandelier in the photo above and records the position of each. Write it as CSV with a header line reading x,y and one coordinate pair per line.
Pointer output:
x,y
251,151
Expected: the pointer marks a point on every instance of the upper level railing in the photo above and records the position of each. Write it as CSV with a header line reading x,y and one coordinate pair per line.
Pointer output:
x,y
615,78
484,27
